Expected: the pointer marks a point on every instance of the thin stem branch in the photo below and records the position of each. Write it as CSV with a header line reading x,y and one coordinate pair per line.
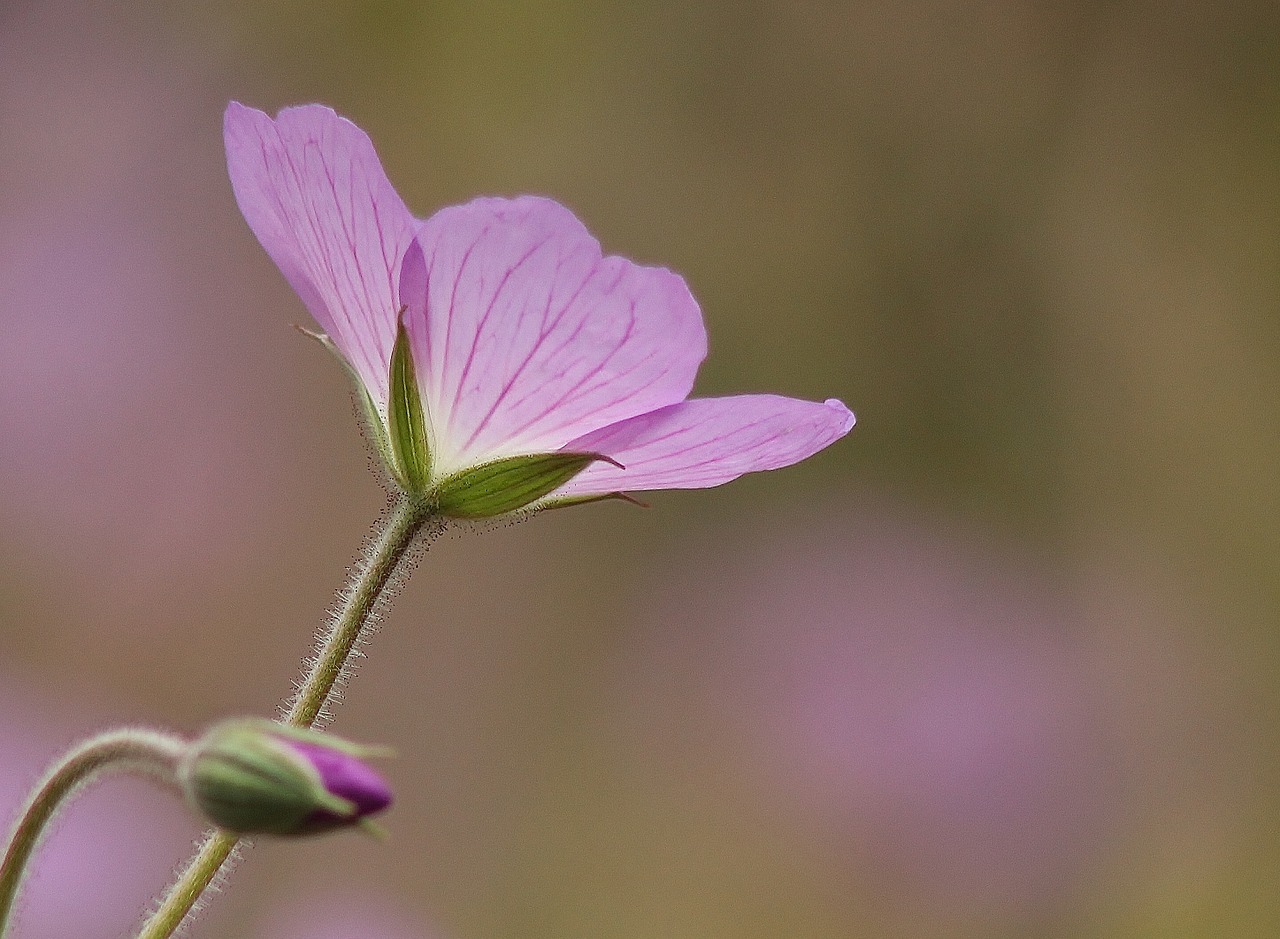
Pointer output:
x,y
133,750
363,600
184,896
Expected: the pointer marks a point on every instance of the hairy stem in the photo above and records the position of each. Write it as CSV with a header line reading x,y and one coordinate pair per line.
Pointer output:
x,y
363,601
132,750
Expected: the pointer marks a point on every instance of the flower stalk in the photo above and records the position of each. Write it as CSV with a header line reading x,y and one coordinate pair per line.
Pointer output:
x,y
128,750
364,599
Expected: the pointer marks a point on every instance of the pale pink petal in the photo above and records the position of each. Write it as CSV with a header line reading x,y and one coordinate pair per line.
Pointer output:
x,y
525,337
706,442
310,186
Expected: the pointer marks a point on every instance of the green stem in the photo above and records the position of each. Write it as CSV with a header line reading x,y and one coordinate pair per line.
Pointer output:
x,y
365,598
126,750
363,601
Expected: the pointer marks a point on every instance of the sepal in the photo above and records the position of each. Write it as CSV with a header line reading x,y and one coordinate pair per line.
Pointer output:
x,y
509,484
406,419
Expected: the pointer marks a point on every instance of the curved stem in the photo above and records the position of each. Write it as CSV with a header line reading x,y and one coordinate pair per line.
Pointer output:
x,y
131,749
363,601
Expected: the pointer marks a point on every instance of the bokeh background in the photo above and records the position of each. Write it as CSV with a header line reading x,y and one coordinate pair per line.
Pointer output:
x,y
1002,663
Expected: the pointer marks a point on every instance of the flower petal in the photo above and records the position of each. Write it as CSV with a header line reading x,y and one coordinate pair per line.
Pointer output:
x,y
526,337
310,186
706,442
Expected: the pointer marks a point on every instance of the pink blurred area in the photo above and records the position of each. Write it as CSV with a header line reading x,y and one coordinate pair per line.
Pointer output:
x,y
343,916
926,711
127,452
1000,664
104,856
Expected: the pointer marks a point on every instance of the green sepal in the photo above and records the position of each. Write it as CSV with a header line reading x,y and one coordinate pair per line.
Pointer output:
x,y
363,751
509,484
244,780
374,428
373,830
406,421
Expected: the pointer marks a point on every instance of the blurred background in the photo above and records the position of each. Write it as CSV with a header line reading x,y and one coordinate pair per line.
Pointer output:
x,y
1002,663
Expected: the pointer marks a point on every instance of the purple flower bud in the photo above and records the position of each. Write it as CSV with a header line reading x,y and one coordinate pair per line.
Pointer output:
x,y
258,776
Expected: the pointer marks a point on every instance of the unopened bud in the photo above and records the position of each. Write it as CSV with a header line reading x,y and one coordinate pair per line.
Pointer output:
x,y
260,777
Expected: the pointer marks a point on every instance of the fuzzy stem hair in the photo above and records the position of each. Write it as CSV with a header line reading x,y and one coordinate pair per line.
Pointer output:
x,y
373,584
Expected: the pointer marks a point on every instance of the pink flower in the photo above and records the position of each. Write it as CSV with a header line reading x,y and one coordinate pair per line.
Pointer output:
x,y
495,337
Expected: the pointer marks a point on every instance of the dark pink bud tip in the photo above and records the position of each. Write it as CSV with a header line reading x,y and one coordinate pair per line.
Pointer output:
x,y
348,778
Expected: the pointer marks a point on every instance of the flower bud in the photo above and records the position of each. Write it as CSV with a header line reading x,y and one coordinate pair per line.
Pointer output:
x,y
260,777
